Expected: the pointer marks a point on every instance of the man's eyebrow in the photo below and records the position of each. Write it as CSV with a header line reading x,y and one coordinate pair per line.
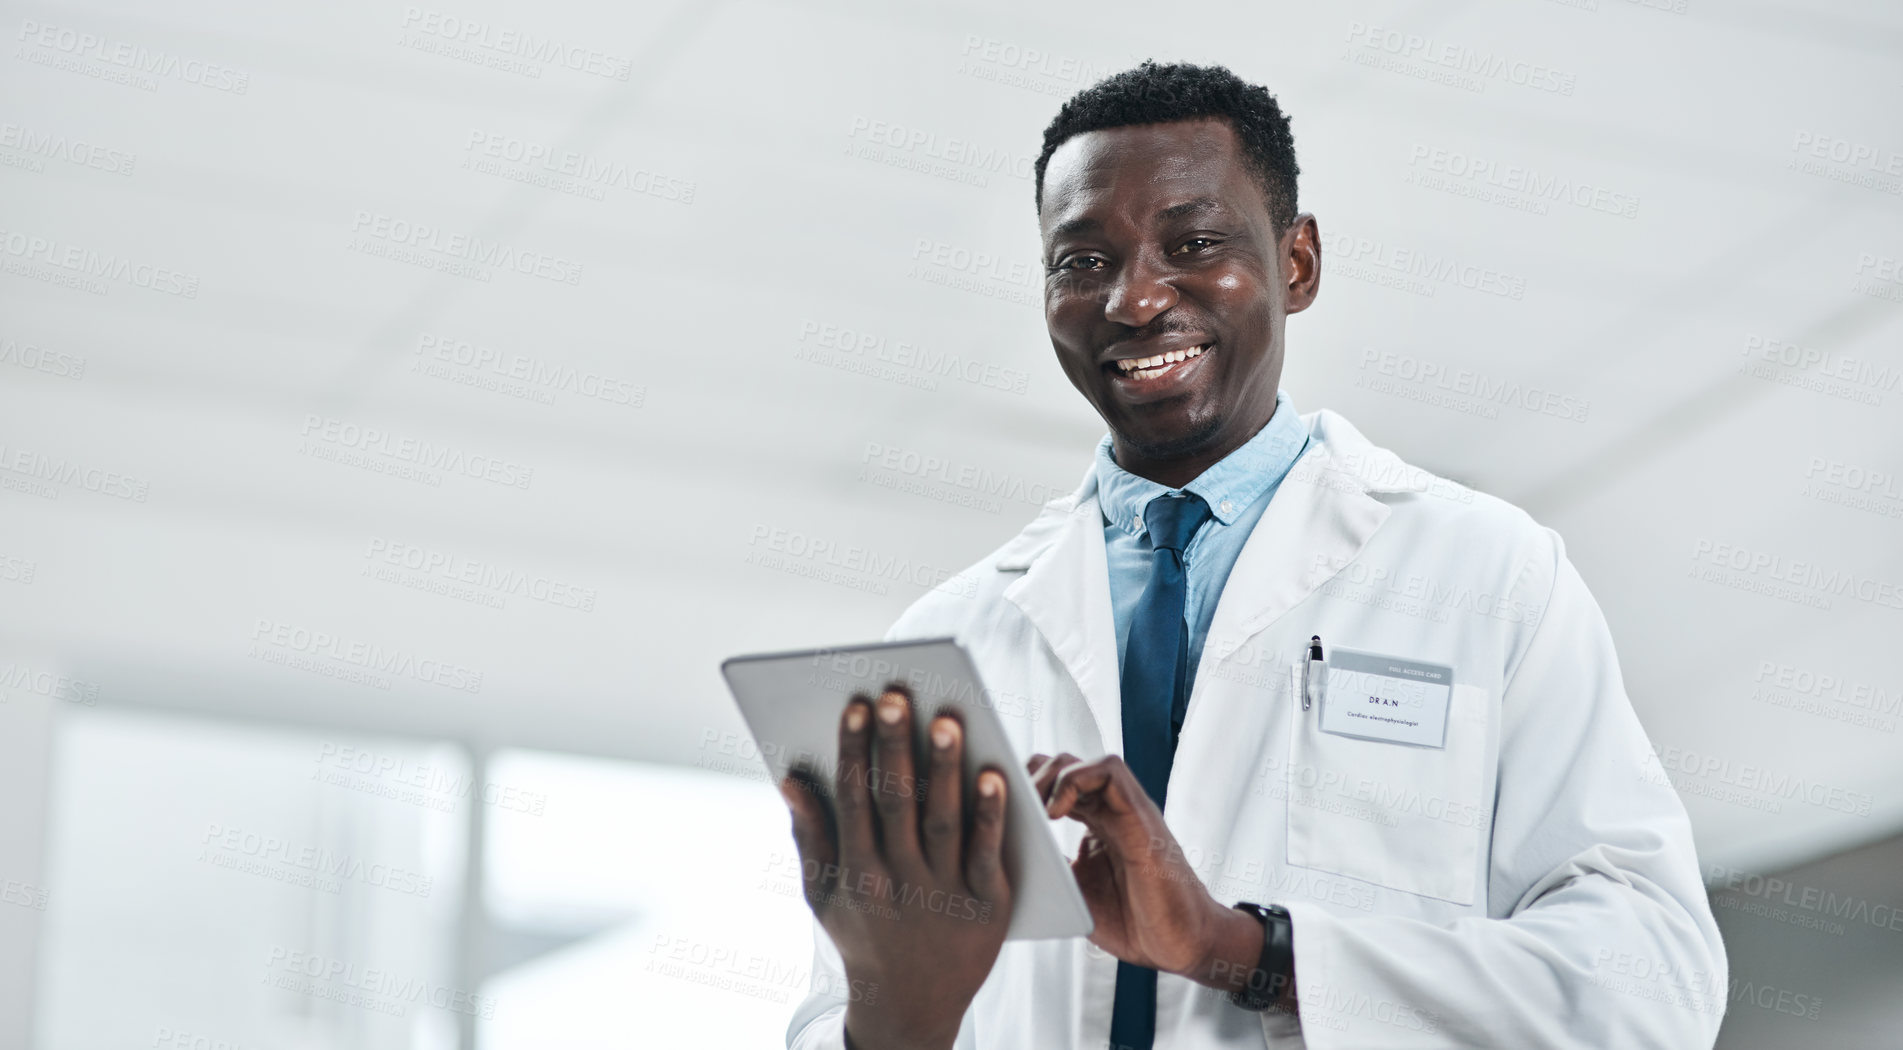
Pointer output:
x,y
1193,206
1081,224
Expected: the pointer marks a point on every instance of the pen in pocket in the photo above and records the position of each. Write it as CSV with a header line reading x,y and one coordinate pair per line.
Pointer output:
x,y
1312,672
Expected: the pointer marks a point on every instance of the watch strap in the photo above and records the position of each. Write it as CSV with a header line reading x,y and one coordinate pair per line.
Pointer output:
x,y
1275,970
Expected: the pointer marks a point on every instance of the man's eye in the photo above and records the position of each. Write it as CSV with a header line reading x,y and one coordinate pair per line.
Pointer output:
x,y
1194,241
1077,263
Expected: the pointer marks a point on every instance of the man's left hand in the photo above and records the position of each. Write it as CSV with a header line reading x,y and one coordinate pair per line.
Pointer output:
x,y
1149,906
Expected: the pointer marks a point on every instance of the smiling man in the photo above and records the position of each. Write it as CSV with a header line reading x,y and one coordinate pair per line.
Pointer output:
x,y
1341,747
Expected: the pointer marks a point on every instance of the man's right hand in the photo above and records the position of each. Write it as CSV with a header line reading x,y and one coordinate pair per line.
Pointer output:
x,y
912,893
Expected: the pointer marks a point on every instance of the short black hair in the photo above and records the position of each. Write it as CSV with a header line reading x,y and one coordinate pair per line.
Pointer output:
x,y
1157,94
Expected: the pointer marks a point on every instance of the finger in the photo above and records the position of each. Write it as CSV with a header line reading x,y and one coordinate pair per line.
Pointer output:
x,y
1076,785
895,792
1046,775
944,805
812,834
851,802
984,854
1038,763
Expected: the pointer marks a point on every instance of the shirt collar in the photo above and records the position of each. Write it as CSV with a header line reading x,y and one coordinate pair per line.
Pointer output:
x,y
1230,486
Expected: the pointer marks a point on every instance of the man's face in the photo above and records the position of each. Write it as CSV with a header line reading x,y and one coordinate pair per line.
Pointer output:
x,y
1157,241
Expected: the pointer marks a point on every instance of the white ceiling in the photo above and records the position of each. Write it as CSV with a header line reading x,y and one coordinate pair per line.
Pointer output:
x,y
655,508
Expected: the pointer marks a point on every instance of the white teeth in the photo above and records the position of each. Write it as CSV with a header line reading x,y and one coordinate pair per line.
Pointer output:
x,y
1147,367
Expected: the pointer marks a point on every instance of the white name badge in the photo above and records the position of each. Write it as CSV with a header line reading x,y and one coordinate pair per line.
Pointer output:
x,y
1386,698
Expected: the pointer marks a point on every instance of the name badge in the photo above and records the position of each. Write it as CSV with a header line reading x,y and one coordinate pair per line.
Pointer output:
x,y
1376,697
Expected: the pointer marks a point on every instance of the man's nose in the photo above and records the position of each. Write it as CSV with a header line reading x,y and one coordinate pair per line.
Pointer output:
x,y
1140,293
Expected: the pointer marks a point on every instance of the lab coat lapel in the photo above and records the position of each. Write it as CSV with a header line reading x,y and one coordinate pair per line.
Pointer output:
x,y
1318,521
1066,595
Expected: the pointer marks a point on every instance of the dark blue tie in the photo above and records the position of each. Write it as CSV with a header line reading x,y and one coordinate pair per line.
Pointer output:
x,y
1155,697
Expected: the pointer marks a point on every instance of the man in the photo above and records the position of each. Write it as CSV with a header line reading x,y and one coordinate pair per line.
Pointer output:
x,y
1448,831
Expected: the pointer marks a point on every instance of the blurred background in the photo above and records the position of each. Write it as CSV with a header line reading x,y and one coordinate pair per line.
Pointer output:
x,y
404,408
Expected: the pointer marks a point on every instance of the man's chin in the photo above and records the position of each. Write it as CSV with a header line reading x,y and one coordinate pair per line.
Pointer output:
x,y
1164,443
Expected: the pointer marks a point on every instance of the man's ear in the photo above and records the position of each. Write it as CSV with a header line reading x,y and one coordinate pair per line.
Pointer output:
x,y
1301,250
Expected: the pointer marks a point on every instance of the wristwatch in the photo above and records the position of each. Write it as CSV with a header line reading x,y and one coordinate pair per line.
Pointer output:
x,y
1275,971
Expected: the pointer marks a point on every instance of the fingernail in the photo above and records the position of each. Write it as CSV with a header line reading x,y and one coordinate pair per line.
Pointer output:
x,y
891,708
990,784
856,717
944,731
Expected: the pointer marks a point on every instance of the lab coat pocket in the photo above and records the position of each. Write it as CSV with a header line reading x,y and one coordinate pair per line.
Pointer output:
x,y
1408,818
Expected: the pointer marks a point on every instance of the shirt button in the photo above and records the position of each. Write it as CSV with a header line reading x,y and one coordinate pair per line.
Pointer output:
x,y
1227,506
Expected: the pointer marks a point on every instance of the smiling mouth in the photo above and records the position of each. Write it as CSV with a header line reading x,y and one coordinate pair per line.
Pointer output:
x,y
1158,366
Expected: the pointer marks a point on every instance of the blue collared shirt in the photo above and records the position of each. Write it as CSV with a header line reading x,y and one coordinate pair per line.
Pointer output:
x,y
1237,488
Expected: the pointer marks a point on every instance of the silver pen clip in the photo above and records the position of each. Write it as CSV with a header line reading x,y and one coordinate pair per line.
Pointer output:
x,y
1313,672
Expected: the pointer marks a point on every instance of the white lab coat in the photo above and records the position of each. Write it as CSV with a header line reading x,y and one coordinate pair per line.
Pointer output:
x,y
1530,885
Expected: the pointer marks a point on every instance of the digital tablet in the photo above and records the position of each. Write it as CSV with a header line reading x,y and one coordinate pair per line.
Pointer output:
x,y
792,702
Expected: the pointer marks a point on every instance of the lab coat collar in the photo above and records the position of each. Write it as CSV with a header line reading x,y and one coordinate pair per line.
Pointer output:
x,y
1320,518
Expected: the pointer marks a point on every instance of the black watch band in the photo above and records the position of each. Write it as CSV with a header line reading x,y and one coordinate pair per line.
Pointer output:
x,y
1275,971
